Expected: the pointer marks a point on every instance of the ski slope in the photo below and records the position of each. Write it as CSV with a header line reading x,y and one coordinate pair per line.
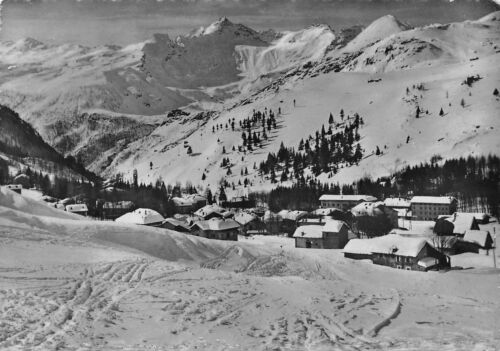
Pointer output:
x,y
90,285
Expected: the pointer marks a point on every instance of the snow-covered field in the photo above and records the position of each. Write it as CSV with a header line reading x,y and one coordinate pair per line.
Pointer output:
x,y
77,284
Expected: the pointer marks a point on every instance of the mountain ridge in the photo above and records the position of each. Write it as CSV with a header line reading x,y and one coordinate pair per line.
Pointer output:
x,y
279,64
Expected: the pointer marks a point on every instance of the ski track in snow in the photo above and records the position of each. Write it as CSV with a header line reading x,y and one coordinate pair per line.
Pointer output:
x,y
93,297
64,287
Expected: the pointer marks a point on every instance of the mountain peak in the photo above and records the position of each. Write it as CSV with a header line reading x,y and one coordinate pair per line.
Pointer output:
x,y
380,28
217,25
220,24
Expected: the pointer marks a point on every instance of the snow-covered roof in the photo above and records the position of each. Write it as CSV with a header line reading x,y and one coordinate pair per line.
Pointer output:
x,y
333,226
397,202
209,209
428,262
176,223
66,201
217,224
292,215
388,244
188,200
244,218
77,208
142,216
370,209
328,197
309,231
461,221
478,237
325,211
442,200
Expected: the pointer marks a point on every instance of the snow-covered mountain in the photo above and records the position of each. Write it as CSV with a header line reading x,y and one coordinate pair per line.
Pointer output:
x,y
142,107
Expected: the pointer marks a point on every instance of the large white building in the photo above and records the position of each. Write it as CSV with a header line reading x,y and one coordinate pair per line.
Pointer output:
x,y
428,208
344,202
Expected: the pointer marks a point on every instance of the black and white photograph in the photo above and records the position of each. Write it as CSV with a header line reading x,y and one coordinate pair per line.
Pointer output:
x,y
262,175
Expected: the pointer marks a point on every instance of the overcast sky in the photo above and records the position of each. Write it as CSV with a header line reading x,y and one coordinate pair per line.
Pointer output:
x,y
94,22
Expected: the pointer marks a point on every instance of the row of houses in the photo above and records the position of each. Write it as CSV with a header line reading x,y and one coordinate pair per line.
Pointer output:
x,y
211,222
417,208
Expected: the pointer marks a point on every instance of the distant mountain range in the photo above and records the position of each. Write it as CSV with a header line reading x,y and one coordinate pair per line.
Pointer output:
x,y
119,109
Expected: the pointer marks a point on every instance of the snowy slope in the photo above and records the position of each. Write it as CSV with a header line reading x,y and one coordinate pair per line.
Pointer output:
x,y
380,29
300,65
388,122
14,201
67,284
289,50
430,46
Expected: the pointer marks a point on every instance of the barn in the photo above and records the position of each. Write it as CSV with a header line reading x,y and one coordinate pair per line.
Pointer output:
x,y
478,239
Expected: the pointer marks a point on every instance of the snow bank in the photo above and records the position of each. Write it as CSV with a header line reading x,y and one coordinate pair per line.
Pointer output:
x,y
162,243
18,202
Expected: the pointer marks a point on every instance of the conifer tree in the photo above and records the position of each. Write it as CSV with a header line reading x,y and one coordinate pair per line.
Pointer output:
x,y
222,194
441,112
330,119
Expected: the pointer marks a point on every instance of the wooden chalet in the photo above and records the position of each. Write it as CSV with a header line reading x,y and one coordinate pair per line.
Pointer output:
x,y
216,228
397,252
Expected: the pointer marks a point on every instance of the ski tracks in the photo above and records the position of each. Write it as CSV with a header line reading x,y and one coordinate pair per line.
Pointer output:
x,y
61,319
